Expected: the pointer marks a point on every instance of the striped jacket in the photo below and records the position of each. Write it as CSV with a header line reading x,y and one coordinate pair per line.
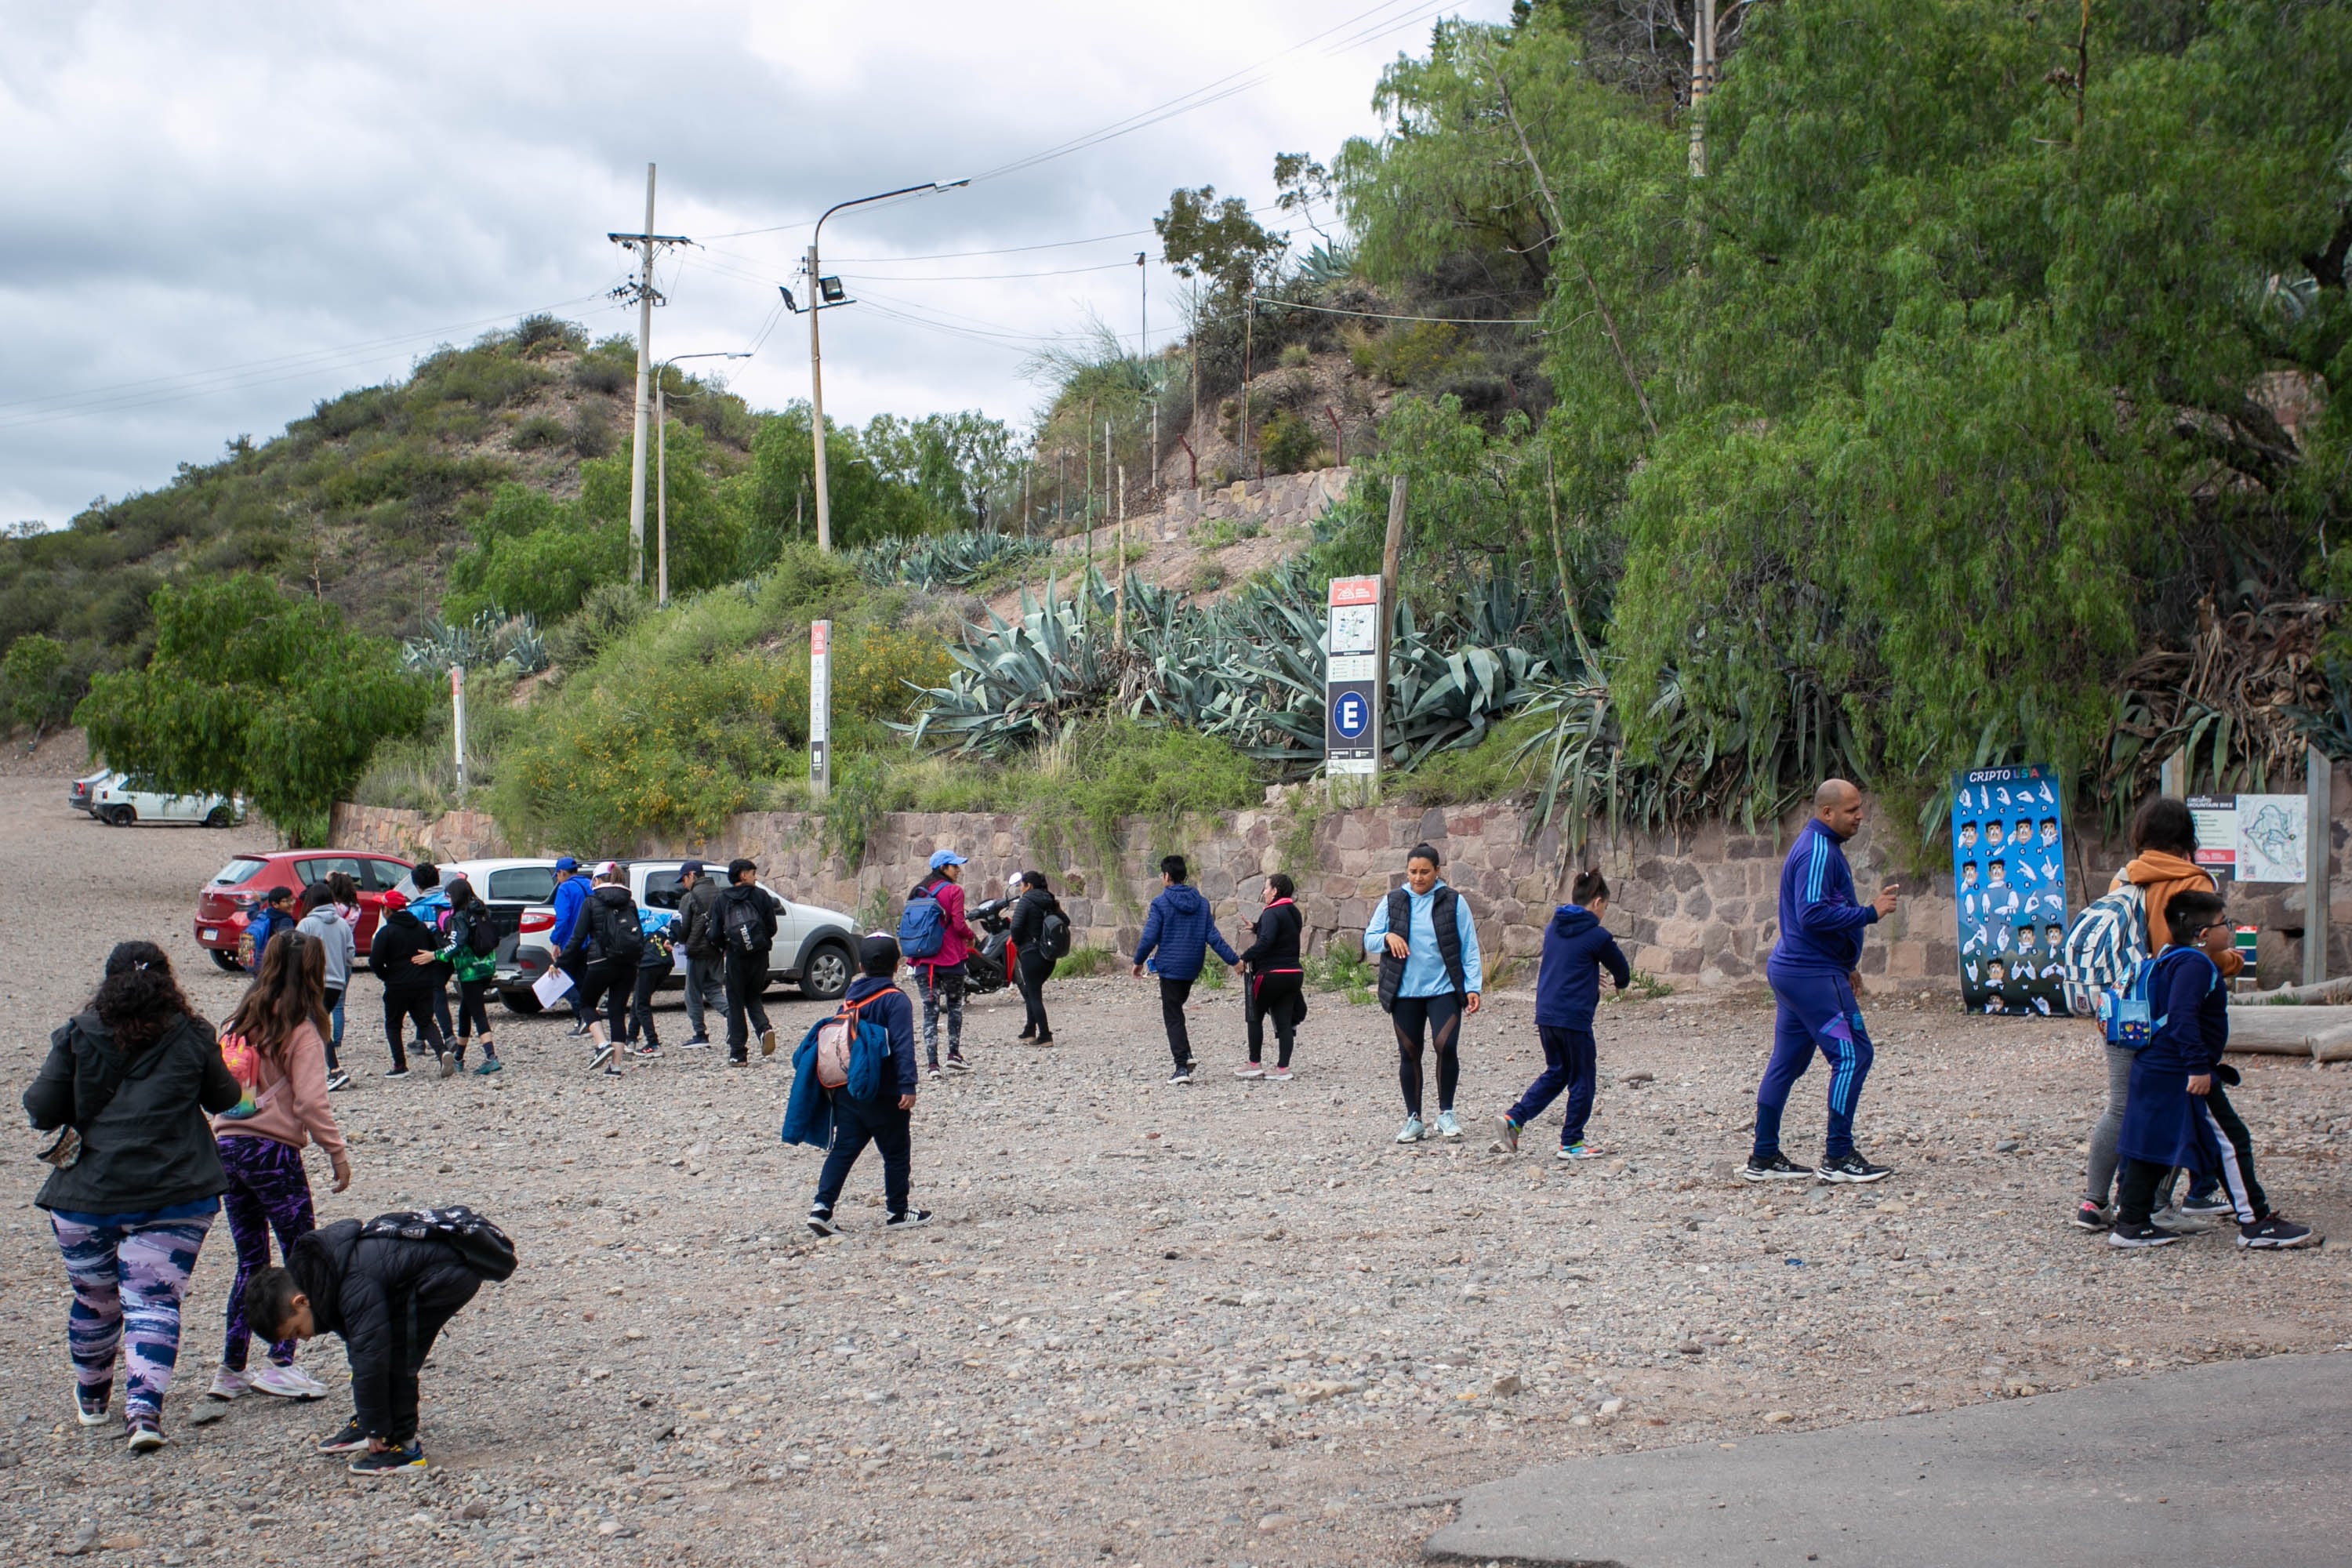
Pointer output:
x,y
1821,922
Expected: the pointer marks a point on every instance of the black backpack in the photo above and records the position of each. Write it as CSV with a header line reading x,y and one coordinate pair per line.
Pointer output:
x,y
482,936
620,935
480,1244
746,933
1053,933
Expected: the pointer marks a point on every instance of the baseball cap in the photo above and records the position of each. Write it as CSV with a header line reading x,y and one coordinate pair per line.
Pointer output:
x,y
945,857
878,952
690,869
607,869
566,863
396,900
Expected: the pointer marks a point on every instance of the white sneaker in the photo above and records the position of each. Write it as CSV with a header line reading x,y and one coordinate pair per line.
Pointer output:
x,y
228,1384
1412,1132
288,1383
1446,1126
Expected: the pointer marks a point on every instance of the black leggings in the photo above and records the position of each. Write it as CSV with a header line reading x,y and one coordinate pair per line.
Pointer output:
x,y
1441,1017
1275,995
641,1004
414,1006
611,984
473,1010
1030,972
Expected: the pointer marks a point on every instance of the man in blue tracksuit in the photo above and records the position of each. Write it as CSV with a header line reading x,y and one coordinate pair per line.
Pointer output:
x,y
1577,947
1813,976
1180,929
571,894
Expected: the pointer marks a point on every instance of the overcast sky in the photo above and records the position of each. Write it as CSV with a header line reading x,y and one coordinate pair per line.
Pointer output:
x,y
219,214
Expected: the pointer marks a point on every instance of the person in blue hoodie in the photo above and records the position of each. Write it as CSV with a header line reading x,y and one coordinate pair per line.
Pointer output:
x,y
2167,1122
571,893
1814,974
1577,948
1178,927
887,1120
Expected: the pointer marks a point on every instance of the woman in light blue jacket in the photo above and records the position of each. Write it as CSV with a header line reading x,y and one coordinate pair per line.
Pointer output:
x,y
1430,975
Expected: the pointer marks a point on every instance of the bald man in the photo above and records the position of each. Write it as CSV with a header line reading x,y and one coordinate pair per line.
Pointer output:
x,y
1813,974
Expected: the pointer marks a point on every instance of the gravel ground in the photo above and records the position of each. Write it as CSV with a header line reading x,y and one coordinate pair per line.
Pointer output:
x,y
1224,1324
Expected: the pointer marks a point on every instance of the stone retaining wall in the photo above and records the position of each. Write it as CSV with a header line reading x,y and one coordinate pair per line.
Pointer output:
x,y
1696,907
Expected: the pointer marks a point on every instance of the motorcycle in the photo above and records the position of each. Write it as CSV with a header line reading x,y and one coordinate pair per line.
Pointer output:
x,y
989,967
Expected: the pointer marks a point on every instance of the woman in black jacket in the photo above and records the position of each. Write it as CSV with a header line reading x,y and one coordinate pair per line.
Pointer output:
x,y
1033,966
1275,976
402,954
135,1078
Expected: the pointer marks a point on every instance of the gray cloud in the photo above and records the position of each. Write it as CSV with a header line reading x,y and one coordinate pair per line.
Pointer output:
x,y
285,187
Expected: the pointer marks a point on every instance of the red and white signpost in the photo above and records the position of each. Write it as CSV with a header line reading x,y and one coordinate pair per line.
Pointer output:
x,y
820,708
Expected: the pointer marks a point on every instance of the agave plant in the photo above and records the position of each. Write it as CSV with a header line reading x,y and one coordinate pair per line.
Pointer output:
x,y
941,560
491,637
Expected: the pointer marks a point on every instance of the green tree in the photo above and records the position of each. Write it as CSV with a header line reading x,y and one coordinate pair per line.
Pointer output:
x,y
36,683
1201,236
251,692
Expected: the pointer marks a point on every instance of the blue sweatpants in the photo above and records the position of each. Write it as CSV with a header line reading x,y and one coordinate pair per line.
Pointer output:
x,y
1817,1011
1569,1064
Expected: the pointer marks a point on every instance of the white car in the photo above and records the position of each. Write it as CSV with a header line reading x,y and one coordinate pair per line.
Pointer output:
x,y
815,948
117,803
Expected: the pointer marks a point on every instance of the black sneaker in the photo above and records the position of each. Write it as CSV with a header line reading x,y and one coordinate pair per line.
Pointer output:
x,y
909,1220
2089,1216
644,1051
956,1062
2274,1234
1779,1168
2142,1235
603,1053
2216,1201
699,1043
337,1079
350,1440
574,1032
1854,1168
821,1221
397,1072
384,1461
1182,1075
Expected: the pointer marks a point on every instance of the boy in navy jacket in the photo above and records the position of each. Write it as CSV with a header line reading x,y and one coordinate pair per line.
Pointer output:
x,y
1576,948
2167,1122
888,1120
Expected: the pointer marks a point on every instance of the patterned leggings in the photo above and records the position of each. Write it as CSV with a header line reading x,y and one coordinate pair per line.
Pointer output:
x,y
267,1189
127,1283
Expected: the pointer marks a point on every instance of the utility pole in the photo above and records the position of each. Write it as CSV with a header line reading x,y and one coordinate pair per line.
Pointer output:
x,y
457,719
1392,547
1241,433
661,492
1702,83
647,244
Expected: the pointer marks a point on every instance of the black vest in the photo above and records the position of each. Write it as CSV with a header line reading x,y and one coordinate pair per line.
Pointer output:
x,y
1449,942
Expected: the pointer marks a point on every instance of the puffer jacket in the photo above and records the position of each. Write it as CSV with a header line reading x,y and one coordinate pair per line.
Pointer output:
x,y
357,1286
147,1139
1178,928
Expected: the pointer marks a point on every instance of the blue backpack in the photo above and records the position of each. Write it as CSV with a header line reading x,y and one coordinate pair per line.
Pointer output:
x,y
923,927
2127,1013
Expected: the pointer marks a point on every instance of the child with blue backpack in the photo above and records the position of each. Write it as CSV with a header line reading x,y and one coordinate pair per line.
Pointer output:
x,y
2176,1000
1577,948
856,1086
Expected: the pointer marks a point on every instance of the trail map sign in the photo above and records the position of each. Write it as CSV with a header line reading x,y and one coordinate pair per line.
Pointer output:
x,y
2008,878
1351,685
2216,816
820,708
2271,829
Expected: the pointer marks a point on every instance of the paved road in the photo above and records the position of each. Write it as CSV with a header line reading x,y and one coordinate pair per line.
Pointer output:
x,y
2235,1465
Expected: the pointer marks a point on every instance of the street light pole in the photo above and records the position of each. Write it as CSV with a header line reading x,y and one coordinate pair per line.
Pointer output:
x,y
819,299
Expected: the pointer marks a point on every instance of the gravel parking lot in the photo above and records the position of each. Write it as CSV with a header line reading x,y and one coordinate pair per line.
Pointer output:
x,y
1229,1324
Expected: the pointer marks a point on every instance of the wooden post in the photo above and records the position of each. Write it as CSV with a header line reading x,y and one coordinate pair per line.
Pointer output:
x,y
1119,589
2174,778
2318,788
1390,547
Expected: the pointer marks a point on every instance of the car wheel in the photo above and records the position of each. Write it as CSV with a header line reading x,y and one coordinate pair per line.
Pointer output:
x,y
525,1003
826,974
125,816
225,960
221,816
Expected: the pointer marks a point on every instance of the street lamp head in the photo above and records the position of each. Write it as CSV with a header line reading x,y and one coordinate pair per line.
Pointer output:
x,y
789,303
831,291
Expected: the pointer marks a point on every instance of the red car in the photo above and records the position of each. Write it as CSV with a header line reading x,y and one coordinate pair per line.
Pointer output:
x,y
221,907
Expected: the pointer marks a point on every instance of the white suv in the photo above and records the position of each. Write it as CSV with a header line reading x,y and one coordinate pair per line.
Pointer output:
x,y
115,802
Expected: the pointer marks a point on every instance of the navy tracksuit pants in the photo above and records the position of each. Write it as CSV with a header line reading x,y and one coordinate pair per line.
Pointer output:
x,y
1816,1011
1571,1061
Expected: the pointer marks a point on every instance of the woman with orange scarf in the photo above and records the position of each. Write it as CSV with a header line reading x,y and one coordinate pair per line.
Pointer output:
x,y
2163,862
